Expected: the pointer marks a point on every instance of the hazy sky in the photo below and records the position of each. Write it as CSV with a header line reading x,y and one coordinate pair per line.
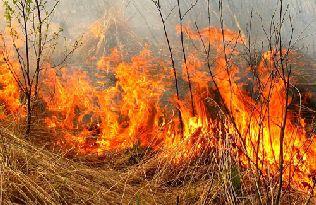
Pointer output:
x,y
142,15
75,16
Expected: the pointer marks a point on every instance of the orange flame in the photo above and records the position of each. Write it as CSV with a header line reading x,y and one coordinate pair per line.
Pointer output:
x,y
132,102
9,90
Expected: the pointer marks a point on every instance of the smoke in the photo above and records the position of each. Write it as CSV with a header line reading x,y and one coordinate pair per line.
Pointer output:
x,y
141,16
75,16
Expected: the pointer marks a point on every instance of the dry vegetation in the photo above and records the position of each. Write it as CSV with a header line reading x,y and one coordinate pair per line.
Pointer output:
x,y
211,118
32,175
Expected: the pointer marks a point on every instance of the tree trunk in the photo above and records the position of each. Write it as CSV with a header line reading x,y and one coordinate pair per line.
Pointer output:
x,y
28,115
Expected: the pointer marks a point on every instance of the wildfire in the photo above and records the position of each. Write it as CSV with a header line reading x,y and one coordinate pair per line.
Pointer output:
x,y
9,90
123,103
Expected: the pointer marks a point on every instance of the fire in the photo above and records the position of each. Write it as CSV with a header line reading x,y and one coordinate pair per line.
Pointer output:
x,y
117,115
133,112
126,102
69,98
9,90
259,122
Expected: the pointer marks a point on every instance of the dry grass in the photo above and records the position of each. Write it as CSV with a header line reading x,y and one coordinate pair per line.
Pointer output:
x,y
29,174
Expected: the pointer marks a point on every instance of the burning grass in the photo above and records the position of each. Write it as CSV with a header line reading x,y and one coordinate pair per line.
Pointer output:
x,y
236,128
31,175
